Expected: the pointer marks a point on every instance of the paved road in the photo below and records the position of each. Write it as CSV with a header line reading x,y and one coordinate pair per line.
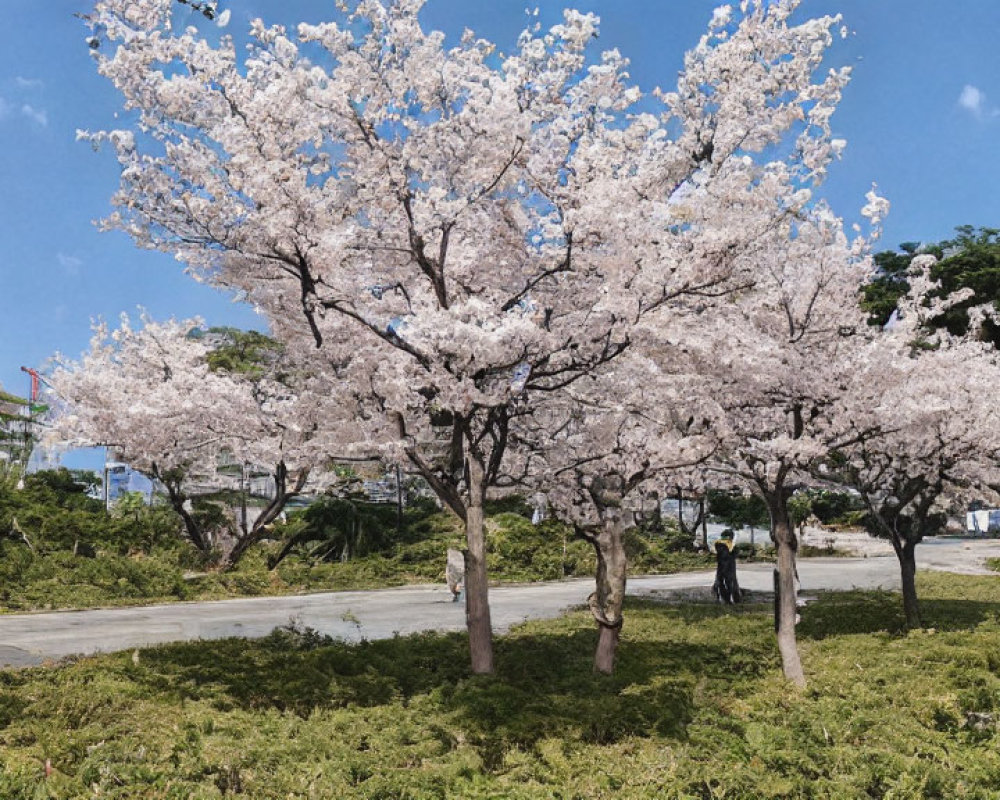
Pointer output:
x,y
32,638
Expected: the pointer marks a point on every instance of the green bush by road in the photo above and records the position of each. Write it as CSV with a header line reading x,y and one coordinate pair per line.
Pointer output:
x,y
75,555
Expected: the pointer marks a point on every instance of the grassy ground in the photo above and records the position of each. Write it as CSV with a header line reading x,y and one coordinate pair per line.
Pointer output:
x,y
697,710
518,551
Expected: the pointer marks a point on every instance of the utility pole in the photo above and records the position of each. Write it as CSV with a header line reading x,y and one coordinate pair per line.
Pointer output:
x,y
107,475
399,502
243,495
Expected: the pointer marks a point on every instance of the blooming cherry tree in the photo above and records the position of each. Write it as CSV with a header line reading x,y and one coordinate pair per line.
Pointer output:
x,y
488,228
923,392
151,394
592,454
783,358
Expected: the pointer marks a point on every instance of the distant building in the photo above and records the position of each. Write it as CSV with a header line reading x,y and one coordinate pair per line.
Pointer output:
x,y
17,428
122,479
385,490
983,521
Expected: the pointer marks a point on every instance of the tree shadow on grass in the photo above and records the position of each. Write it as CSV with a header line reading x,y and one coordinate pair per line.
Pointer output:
x,y
861,612
854,612
544,686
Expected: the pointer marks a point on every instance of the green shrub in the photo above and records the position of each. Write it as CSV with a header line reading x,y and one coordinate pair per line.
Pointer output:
x,y
697,708
139,555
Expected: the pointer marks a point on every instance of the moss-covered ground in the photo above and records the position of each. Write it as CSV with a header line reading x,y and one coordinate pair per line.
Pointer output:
x,y
697,709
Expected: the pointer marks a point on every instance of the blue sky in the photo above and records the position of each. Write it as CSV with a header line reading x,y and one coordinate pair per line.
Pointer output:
x,y
921,117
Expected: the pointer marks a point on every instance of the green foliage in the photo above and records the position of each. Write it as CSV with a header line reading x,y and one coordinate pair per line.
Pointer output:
x,y
509,504
68,489
880,296
339,528
833,508
972,262
130,504
738,510
520,551
799,507
910,527
13,399
969,260
821,551
669,551
64,580
54,512
80,556
203,7
244,352
697,709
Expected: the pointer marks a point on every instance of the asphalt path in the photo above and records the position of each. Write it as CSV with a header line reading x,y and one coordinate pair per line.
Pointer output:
x,y
29,639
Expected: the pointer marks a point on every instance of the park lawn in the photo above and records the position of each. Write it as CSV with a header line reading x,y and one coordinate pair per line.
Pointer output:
x,y
697,710
518,552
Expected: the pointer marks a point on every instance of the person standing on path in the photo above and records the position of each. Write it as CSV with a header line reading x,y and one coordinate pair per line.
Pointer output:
x,y
454,573
726,587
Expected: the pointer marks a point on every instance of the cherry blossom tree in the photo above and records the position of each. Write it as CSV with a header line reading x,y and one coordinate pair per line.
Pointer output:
x,y
593,454
932,453
153,395
925,395
487,227
783,358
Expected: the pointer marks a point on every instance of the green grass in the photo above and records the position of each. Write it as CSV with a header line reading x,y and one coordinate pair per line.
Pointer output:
x,y
518,552
696,710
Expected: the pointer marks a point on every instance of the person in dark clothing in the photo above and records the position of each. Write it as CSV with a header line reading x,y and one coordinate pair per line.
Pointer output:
x,y
726,588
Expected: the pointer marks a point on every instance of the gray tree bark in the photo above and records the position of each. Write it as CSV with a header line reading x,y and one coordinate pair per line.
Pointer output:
x,y
477,602
609,595
784,539
906,552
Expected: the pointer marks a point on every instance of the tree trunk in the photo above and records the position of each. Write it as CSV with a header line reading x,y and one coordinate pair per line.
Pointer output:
x,y
890,521
609,595
704,522
785,610
192,530
656,518
399,502
607,600
282,494
465,449
477,602
607,646
907,555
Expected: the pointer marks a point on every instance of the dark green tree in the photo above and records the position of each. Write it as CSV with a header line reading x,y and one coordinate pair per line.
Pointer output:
x,y
882,294
969,260
738,510
249,353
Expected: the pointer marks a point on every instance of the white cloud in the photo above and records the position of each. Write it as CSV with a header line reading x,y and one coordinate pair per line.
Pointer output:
x,y
972,99
71,264
39,115
28,83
